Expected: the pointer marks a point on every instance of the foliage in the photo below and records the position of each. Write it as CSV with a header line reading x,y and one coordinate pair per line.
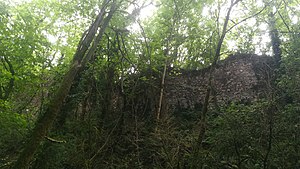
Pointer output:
x,y
108,118
13,128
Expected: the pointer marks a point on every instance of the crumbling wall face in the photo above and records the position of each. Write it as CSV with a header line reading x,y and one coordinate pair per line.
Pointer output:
x,y
239,78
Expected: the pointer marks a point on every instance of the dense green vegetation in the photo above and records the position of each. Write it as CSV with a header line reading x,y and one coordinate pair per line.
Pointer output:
x,y
82,84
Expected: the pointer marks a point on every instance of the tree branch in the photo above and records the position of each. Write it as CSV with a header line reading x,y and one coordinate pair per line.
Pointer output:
x,y
243,20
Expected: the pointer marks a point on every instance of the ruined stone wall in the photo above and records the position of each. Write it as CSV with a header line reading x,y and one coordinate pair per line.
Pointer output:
x,y
239,78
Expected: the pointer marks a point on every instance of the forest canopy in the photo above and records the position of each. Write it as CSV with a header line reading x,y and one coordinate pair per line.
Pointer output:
x,y
83,84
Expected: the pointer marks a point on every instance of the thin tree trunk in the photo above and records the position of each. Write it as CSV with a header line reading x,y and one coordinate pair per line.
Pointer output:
x,y
161,92
276,42
202,127
81,57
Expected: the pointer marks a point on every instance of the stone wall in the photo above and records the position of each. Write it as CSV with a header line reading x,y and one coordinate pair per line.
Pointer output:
x,y
239,78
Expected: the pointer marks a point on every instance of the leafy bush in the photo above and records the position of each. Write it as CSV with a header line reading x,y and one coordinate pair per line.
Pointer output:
x,y
12,131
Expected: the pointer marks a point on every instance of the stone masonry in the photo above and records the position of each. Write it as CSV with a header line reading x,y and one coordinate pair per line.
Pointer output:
x,y
239,78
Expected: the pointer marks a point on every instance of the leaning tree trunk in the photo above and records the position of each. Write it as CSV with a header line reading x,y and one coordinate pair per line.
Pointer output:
x,y
85,50
202,123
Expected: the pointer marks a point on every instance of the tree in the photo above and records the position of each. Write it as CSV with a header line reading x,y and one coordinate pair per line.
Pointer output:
x,y
216,57
87,82
83,54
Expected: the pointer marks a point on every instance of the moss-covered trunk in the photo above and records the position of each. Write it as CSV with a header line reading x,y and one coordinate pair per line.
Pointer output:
x,y
85,50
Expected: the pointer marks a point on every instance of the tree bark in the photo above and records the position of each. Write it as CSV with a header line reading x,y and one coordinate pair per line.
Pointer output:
x,y
202,127
81,57
275,40
162,85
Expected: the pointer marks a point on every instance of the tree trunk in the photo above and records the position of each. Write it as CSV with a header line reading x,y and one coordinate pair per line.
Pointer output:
x,y
162,85
82,55
212,67
202,127
275,40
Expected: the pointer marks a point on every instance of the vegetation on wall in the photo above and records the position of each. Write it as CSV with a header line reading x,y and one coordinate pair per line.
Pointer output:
x,y
82,84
